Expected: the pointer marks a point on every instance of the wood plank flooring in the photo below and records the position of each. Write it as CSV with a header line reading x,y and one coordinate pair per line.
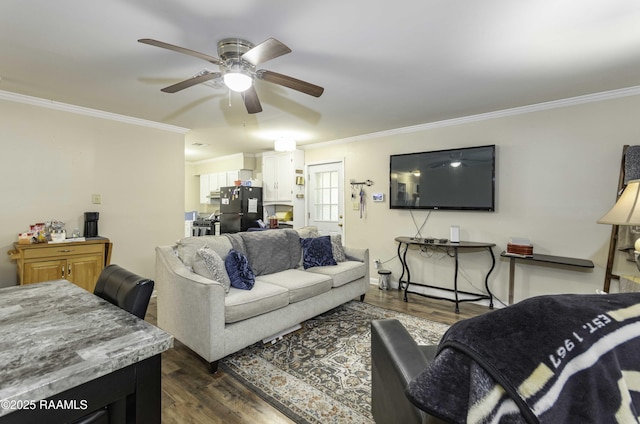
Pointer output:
x,y
191,395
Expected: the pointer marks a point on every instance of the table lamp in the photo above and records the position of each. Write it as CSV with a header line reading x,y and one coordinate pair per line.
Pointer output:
x,y
626,211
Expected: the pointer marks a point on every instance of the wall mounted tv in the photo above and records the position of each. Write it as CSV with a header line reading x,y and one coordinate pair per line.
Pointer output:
x,y
453,179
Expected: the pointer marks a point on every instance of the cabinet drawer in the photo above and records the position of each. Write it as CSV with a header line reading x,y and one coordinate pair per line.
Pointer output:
x,y
62,251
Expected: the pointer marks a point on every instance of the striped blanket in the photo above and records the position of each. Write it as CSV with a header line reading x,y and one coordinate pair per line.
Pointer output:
x,y
548,359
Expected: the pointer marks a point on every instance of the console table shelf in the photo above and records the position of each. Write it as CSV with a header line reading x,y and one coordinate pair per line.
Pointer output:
x,y
536,257
449,247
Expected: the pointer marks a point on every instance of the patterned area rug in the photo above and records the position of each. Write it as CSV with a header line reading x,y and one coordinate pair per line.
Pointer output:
x,y
322,373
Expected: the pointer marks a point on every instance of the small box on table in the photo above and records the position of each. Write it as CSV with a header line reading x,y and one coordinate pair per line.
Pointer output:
x,y
520,246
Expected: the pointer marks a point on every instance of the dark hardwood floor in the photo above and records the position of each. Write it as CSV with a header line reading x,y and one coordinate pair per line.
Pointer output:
x,y
190,394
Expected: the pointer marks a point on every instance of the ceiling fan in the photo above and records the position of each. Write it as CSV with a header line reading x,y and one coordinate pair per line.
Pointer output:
x,y
237,62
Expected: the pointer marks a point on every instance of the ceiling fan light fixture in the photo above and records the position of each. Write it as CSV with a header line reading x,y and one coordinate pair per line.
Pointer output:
x,y
455,163
238,80
284,145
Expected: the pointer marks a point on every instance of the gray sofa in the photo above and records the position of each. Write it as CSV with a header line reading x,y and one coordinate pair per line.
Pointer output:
x,y
214,323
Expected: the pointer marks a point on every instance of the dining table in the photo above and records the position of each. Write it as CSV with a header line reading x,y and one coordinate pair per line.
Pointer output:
x,y
66,354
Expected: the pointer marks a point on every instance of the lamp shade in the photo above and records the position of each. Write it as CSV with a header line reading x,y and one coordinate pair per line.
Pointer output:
x,y
626,211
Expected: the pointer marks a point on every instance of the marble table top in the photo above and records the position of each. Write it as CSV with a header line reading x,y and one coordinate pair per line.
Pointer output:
x,y
55,336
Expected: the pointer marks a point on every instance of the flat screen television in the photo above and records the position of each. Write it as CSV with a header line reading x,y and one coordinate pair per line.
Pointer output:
x,y
452,179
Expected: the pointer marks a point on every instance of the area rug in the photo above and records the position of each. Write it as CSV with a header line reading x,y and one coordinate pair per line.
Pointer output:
x,y
322,373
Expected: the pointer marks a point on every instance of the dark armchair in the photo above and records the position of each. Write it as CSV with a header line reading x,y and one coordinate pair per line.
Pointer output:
x,y
125,289
396,360
565,358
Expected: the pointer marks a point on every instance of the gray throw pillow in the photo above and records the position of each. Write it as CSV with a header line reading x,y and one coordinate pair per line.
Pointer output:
x,y
268,251
337,249
209,264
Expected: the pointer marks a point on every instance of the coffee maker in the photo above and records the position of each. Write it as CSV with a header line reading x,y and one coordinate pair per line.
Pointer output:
x,y
91,224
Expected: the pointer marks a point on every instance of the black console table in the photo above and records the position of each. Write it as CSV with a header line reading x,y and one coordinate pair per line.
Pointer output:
x,y
406,242
548,259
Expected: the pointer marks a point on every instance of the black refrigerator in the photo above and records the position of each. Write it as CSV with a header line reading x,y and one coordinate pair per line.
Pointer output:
x,y
240,208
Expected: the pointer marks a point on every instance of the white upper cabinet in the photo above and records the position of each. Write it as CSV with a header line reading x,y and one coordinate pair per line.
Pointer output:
x,y
279,175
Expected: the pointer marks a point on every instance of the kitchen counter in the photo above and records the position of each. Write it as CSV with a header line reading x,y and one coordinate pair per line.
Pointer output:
x,y
56,338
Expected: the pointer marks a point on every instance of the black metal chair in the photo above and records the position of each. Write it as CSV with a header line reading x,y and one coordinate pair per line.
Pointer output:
x,y
125,289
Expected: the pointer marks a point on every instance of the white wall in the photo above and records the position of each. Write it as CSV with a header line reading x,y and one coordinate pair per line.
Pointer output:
x,y
52,161
557,173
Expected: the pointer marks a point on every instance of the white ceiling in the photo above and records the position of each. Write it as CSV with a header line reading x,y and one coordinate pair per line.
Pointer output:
x,y
384,65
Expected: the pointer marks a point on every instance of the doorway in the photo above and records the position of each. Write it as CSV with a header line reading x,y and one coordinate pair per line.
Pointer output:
x,y
325,198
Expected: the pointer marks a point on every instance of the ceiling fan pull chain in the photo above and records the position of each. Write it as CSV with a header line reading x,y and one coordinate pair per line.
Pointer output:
x,y
229,91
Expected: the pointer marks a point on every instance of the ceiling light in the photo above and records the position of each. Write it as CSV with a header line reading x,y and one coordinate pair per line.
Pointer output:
x,y
238,80
284,145
455,164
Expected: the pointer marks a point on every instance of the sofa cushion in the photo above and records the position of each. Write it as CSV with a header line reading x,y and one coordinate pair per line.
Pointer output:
x,y
209,264
295,249
187,248
242,304
308,231
268,251
239,270
317,251
300,284
343,272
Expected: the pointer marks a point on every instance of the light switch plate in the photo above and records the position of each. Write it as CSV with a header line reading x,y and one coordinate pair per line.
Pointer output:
x,y
96,199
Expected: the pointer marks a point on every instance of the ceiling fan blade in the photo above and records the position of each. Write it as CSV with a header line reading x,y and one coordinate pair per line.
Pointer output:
x,y
251,101
178,49
287,81
191,82
267,50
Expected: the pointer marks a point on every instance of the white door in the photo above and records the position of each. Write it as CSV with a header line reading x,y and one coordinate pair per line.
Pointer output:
x,y
325,203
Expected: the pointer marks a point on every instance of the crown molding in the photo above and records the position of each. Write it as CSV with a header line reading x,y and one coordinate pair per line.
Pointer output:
x,y
555,104
50,104
221,158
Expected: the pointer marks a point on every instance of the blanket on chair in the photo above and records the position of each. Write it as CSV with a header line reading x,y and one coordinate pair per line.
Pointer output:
x,y
548,359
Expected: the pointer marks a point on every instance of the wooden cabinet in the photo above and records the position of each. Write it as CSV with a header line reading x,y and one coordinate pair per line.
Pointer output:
x,y
79,262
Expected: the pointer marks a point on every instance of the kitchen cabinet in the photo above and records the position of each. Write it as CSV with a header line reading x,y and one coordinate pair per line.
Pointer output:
x,y
79,261
212,182
204,188
241,174
279,175
280,190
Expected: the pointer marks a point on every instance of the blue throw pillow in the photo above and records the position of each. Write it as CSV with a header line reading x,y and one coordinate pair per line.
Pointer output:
x,y
317,252
239,271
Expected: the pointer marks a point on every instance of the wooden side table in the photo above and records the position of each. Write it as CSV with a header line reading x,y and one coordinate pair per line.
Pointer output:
x,y
78,261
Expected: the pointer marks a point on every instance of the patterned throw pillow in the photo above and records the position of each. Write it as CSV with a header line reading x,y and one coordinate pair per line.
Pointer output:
x,y
210,265
240,273
317,252
337,249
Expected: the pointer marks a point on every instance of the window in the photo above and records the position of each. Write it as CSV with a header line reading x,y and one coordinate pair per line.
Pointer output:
x,y
326,196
